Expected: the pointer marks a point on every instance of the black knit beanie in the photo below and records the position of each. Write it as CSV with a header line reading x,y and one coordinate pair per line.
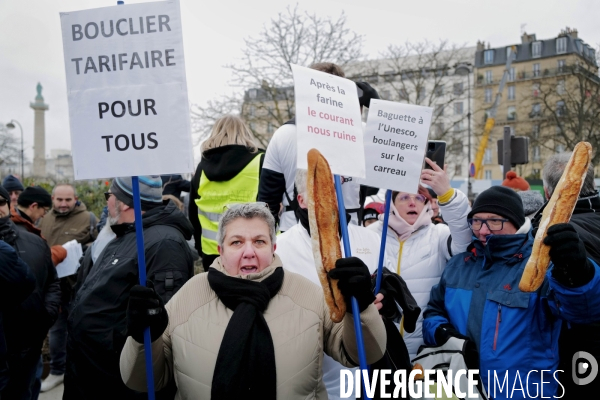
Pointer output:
x,y
366,92
35,194
502,201
4,194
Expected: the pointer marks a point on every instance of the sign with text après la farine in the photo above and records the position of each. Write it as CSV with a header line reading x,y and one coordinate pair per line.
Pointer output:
x,y
127,92
328,119
395,144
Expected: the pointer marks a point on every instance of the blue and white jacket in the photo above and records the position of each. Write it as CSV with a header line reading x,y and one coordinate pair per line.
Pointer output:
x,y
515,332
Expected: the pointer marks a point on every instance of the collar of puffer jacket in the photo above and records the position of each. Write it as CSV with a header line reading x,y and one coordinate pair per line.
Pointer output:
x,y
258,276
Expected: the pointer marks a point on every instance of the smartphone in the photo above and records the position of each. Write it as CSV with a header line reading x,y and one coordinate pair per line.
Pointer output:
x,y
436,152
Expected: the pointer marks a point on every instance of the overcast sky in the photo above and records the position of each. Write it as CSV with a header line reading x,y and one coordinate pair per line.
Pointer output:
x,y
31,48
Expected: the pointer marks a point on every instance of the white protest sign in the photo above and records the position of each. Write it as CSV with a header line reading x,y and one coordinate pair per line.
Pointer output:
x,y
128,103
395,144
328,119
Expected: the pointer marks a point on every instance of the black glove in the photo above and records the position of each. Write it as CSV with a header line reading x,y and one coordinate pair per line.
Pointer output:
x,y
567,252
445,332
354,279
395,292
145,309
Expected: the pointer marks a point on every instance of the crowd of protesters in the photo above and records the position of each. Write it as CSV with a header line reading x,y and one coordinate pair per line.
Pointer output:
x,y
255,323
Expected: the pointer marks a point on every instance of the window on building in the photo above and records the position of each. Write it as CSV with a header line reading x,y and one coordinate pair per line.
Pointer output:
x,y
488,95
557,130
251,111
458,169
290,93
422,95
536,69
439,90
536,49
438,129
270,129
560,108
488,77
488,57
388,76
560,87
535,132
438,111
252,93
508,50
536,154
458,127
488,174
511,74
511,114
458,89
535,89
458,108
536,110
559,148
403,94
252,126
561,45
385,94
511,92
561,65
487,156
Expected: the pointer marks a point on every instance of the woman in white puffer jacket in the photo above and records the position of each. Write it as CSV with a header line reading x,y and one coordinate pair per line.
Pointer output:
x,y
417,249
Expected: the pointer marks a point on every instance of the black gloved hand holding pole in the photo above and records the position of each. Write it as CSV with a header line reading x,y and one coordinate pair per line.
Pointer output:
x,y
354,279
567,253
145,309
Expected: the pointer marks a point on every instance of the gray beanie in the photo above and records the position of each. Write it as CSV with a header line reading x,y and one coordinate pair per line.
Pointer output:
x,y
532,201
150,191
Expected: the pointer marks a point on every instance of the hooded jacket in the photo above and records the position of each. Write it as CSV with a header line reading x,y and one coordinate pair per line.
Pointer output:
x,y
220,164
515,332
97,326
26,326
79,224
17,281
420,259
297,317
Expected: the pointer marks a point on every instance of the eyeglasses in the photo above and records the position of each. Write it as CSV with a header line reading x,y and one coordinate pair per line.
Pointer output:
x,y
418,198
107,195
493,224
3,202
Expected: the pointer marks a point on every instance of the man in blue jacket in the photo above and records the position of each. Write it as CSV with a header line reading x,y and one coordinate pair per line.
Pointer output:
x,y
478,298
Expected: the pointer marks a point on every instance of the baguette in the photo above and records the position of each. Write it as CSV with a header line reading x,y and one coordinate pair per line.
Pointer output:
x,y
557,211
324,221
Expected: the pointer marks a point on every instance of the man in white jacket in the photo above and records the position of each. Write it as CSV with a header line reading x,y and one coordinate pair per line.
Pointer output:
x,y
295,250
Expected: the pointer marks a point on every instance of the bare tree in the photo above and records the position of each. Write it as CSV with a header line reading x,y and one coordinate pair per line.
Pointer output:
x,y
292,37
568,108
9,148
424,74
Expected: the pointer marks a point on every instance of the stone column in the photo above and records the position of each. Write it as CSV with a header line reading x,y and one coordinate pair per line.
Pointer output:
x,y
39,134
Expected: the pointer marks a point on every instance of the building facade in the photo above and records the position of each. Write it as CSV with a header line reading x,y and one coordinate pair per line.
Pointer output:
x,y
548,83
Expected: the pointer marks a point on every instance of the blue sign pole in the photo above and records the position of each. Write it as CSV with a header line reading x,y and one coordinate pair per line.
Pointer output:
x,y
386,217
362,358
139,236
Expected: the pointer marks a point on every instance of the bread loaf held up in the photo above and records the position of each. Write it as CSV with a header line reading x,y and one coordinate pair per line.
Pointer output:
x,y
324,221
558,210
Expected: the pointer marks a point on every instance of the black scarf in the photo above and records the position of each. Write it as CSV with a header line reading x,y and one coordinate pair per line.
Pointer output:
x,y
245,366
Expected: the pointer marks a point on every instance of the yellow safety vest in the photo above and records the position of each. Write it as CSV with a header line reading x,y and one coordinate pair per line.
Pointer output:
x,y
214,196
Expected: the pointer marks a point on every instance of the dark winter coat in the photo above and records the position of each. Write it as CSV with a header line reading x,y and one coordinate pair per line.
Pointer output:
x,y
27,325
219,164
17,281
578,337
97,326
174,185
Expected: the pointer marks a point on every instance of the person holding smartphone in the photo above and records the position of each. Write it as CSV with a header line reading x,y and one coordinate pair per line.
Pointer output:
x,y
416,248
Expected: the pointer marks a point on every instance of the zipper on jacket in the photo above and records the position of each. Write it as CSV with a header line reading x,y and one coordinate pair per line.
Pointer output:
x,y
498,320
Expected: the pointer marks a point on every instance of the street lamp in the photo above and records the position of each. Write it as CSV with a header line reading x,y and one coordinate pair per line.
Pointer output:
x,y
462,70
11,125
